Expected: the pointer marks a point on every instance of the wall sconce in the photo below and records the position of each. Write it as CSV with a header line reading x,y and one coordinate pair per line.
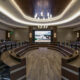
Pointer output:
x,y
30,35
54,35
9,35
77,34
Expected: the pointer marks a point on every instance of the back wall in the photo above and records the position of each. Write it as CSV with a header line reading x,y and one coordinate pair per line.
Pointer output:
x,y
21,35
66,35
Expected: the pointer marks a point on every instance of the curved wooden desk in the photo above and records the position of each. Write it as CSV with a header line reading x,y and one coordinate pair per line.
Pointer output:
x,y
69,56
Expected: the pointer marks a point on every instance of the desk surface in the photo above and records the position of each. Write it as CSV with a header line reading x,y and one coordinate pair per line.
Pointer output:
x,y
8,60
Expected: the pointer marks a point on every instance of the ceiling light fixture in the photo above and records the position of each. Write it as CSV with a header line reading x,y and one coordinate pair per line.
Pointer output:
x,y
13,2
32,23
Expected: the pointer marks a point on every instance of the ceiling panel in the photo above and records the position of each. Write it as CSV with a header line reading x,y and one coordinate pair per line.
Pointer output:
x,y
57,6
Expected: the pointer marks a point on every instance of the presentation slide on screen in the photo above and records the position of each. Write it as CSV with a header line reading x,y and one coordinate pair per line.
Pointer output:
x,y
42,36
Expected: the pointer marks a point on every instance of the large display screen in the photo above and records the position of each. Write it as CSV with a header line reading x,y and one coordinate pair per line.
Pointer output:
x,y
42,36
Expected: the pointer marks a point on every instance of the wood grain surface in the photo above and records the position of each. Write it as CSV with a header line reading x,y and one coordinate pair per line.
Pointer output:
x,y
41,64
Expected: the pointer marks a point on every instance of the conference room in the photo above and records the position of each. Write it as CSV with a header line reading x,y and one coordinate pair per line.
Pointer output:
x,y
39,39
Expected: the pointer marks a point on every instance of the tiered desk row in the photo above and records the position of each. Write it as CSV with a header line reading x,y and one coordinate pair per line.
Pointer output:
x,y
74,45
10,45
69,71
16,50
10,72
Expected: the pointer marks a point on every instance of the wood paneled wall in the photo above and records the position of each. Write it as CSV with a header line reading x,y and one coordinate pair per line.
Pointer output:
x,y
53,28
2,34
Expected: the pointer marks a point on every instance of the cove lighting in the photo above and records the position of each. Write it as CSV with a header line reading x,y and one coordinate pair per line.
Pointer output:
x,y
5,12
51,19
31,23
69,25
